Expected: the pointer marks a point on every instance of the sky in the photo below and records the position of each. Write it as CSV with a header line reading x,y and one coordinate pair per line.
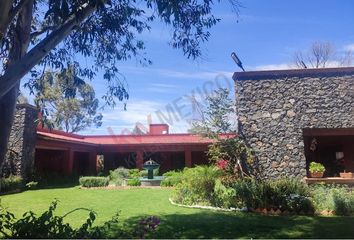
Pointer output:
x,y
264,35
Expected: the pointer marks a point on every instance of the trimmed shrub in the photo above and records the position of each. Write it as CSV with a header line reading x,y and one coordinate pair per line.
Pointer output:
x,y
94,181
133,182
11,183
171,179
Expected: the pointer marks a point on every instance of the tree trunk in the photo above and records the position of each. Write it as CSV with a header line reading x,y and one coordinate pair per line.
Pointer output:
x,y
18,49
20,66
19,69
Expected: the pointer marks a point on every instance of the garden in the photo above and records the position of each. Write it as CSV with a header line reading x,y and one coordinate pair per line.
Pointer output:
x,y
222,200
226,199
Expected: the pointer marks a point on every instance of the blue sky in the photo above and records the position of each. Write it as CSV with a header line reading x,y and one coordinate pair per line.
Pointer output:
x,y
265,35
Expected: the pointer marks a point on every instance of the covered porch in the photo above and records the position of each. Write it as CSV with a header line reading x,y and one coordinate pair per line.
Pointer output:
x,y
334,148
170,157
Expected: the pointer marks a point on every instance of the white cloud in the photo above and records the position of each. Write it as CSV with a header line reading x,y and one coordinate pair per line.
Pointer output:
x,y
176,113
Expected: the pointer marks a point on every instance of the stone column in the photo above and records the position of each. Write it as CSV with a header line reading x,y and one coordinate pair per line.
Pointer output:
x,y
19,159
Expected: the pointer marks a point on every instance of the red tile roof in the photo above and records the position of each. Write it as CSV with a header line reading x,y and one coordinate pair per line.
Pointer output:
x,y
177,139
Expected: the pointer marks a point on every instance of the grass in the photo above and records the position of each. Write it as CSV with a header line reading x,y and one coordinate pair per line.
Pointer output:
x,y
177,222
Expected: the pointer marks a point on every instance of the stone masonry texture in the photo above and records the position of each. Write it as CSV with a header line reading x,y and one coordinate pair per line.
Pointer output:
x,y
20,156
275,106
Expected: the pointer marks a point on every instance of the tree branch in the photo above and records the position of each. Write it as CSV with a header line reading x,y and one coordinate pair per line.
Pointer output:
x,y
15,72
7,15
38,33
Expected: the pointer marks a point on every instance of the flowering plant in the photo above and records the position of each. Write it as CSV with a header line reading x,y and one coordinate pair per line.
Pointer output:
x,y
222,164
147,225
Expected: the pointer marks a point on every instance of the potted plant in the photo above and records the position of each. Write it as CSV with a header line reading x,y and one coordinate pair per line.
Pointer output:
x,y
346,174
316,170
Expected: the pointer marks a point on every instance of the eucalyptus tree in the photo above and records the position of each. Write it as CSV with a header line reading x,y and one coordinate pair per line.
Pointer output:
x,y
66,101
35,34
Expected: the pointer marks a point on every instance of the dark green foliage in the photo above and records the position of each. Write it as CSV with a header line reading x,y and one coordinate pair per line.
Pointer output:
x,y
133,182
53,179
67,102
49,226
94,181
285,194
171,178
11,183
111,34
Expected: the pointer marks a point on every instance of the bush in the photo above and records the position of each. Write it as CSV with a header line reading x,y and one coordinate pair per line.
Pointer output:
x,y
229,154
133,182
334,198
11,183
284,194
120,172
197,186
94,181
134,173
171,179
322,197
224,196
117,175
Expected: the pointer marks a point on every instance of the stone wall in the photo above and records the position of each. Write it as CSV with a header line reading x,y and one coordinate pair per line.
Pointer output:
x,y
20,156
275,106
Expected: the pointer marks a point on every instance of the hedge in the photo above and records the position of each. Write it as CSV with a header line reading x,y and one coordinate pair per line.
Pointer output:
x,y
94,181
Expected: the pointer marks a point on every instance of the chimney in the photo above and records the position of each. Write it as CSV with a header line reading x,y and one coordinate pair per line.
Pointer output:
x,y
157,129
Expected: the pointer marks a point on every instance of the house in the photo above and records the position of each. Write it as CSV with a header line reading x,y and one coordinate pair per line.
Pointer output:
x,y
67,153
52,151
293,117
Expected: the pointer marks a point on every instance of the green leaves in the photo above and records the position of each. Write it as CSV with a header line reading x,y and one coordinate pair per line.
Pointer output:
x,y
68,102
218,115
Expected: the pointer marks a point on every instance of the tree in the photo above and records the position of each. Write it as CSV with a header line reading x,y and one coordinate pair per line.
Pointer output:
x,y
54,32
68,101
321,55
217,116
231,154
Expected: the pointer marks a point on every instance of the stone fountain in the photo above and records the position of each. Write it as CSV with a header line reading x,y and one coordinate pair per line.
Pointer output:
x,y
150,165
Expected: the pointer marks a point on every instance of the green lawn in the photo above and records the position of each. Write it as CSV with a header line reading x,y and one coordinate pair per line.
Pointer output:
x,y
177,222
